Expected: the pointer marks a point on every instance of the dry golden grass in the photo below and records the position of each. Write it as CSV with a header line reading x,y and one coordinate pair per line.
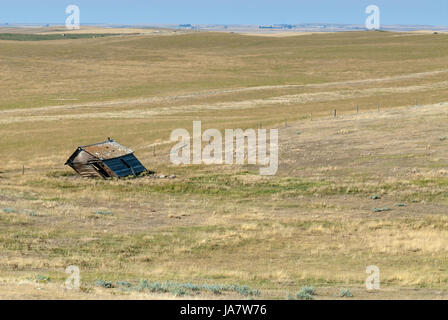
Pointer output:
x,y
312,223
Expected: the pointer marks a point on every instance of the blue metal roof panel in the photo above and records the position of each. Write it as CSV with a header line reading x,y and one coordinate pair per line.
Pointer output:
x,y
125,166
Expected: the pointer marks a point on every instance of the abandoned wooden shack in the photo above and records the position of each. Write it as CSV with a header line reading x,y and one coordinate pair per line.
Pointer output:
x,y
107,159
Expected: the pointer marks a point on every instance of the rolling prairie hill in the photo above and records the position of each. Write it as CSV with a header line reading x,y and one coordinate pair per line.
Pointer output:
x,y
359,189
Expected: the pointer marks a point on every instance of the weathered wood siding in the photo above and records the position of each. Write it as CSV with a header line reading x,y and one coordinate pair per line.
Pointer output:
x,y
80,164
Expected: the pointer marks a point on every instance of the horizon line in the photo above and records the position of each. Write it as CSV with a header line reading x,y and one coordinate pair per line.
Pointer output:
x,y
3,24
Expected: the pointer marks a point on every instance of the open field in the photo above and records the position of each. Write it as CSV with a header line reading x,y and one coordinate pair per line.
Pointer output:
x,y
214,229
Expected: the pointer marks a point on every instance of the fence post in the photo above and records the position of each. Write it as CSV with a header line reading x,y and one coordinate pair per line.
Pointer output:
x,y
23,169
335,113
357,108
311,116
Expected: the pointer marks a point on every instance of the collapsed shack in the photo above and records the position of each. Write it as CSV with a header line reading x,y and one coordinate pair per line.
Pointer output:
x,y
107,159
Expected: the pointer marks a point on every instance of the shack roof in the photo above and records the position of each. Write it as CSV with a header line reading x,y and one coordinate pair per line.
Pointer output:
x,y
107,150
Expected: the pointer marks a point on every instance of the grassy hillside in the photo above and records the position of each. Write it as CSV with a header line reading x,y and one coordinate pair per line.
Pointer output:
x,y
66,71
223,227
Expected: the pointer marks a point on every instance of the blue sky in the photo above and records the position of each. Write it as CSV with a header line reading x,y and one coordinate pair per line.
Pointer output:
x,y
429,12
